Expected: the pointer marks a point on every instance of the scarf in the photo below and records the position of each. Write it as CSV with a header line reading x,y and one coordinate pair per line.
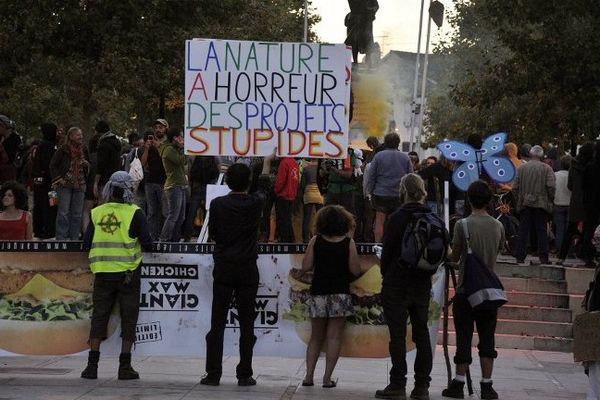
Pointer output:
x,y
120,179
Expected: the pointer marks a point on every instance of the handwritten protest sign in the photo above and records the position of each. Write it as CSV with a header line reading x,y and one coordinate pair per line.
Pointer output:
x,y
245,98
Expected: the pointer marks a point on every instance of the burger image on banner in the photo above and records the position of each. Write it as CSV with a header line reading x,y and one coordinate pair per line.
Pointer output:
x,y
45,302
366,334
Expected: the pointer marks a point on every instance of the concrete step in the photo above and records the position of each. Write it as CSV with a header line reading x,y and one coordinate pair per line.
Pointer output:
x,y
505,341
533,313
529,328
534,285
530,271
539,299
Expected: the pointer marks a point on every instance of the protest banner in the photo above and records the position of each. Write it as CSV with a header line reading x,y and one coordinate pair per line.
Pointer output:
x,y
50,314
245,98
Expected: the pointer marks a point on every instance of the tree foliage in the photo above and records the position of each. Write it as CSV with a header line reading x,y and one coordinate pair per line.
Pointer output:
x,y
527,67
73,61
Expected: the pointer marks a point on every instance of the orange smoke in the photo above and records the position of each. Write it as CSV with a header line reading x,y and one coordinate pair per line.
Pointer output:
x,y
372,108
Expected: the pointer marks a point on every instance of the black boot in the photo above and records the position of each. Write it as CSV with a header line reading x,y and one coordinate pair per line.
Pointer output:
x,y
392,391
455,390
420,392
91,371
126,371
487,391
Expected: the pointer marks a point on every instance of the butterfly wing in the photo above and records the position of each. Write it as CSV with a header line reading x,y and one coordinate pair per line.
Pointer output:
x,y
499,169
465,174
457,151
493,144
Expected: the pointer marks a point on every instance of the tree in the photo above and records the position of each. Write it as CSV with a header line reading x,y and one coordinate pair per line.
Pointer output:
x,y
74,61
530,68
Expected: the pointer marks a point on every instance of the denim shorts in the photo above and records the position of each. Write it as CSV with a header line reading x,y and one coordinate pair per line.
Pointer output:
x,y
330,305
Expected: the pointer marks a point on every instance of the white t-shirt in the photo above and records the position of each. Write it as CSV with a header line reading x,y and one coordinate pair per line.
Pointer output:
x,y
562,196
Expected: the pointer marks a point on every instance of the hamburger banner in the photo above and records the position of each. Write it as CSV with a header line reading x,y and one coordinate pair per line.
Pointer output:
x,y
244,98
46,304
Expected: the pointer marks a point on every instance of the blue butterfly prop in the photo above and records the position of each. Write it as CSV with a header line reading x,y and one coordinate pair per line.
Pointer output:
x,y
499,168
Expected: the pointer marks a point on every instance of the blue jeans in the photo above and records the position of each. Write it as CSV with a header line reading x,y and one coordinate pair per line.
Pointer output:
x,y
171,231
70,210
535,218
560,223
154,201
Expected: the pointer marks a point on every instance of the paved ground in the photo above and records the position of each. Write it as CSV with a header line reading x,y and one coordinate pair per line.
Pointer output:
x,y
519,374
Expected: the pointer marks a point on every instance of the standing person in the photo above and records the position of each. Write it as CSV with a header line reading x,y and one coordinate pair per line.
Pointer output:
x,y
44,216
332,255
154,176
286,187
174,162
383,180
340,184
576,213
435,190
233,226
90,199
562,199
8,172
69,168
414,160
534,189
15,220
591,205
311,196
109,157
406,292
116,236
204,171
486,239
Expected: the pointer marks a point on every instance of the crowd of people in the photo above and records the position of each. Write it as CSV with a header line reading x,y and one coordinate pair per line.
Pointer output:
x,y
548,208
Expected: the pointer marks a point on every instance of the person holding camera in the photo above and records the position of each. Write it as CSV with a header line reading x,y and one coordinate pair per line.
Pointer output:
x,y
154,176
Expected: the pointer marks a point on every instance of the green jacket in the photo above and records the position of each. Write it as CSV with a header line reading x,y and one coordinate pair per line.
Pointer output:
x,y
174,162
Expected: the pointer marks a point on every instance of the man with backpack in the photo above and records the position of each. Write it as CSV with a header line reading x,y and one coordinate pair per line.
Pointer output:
x,y
414,245
485,240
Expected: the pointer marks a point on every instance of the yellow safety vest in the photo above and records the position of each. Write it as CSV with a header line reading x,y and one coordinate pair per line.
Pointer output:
x,y
112,248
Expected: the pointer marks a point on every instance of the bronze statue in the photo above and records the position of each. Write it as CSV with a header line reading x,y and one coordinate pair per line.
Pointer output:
x,y
359,26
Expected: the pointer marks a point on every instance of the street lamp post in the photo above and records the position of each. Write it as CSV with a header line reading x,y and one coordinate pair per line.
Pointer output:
x,y
417,68
305,21
436,13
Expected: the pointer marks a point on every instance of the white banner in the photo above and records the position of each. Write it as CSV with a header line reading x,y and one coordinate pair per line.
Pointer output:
x,y
175,307
245,98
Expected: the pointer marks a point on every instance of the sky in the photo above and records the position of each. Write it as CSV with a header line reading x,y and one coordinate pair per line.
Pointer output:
x,y
396,25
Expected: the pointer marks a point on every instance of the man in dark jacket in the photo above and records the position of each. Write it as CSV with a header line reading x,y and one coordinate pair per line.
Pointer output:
x,y
44,216
109,157
233,225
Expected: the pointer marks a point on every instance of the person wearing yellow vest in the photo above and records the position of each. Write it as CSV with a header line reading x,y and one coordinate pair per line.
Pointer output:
x,y
116,236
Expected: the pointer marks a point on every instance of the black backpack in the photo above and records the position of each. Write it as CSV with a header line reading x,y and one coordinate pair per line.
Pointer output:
x,y
424,243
